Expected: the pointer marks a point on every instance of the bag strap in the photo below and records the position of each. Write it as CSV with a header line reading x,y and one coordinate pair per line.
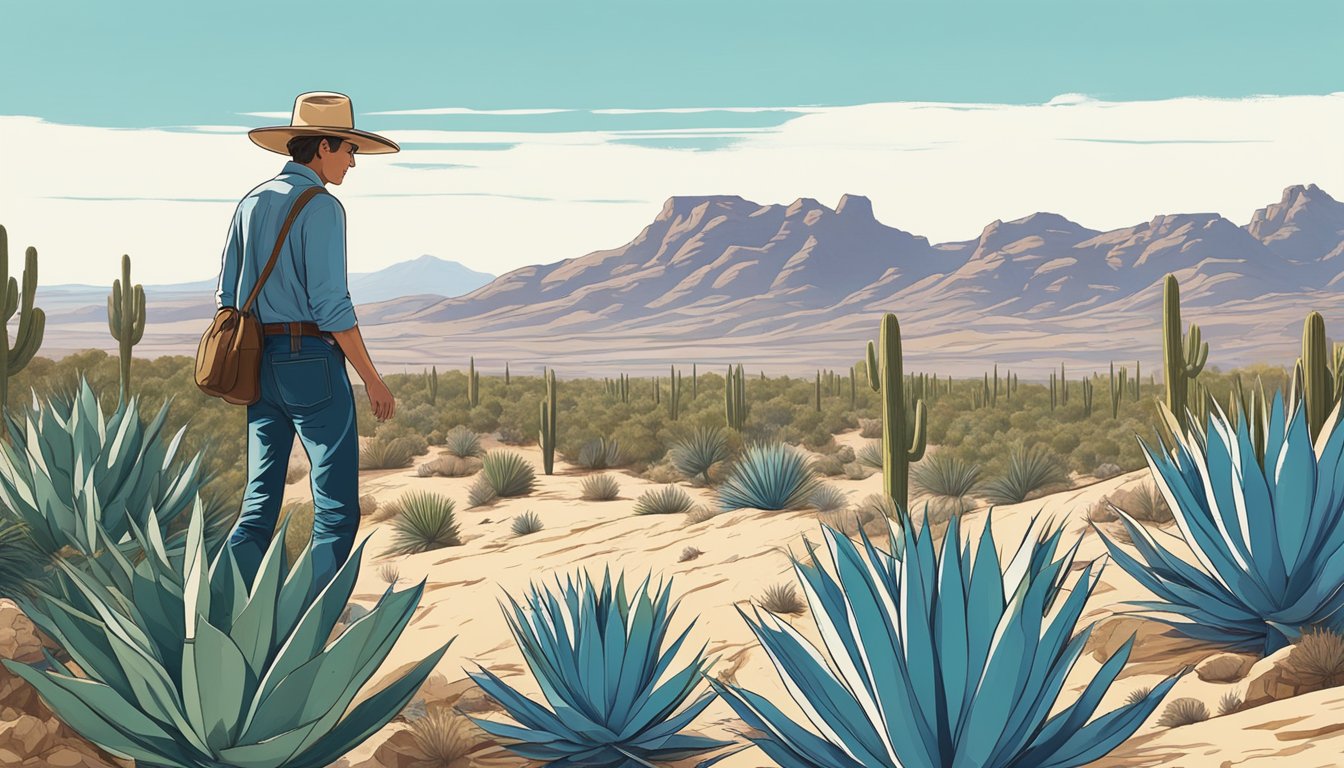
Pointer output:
x,y
308,194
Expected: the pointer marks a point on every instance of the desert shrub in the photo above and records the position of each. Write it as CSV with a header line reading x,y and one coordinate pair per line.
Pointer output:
x,y
843,454
662,473
1143,503
668,500
21,563
509,474
689,553
426,522
368,504
443,737
828,498
944,474
857,471
390,573
828,466
386,454
878,506
527,523
511,435
1183,711
1029,471
602,487
1317,659
783,599
694,455
386,510
435,437
770,476
870,454
599,453
299,528
462,442
425,470
1107,470
1230,703
1101,511
449,465
870,427
1138,694
481,492
700,514
1065,442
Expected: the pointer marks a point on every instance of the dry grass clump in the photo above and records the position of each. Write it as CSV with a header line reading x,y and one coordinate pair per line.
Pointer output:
x,y
1317,659
390,573
828,498
1138,694
444,737
600,488
700,514
828,466
368,504
1144,503
1183,711
1230,702
668,500
527,523
380,453
870,427
689,553
856,471
481,493
448,465
783,599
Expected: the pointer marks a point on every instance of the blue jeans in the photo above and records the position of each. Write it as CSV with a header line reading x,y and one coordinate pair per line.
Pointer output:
x,y
305,392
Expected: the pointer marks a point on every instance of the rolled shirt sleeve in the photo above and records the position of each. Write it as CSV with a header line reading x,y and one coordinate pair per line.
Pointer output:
x,y
226,293
323,232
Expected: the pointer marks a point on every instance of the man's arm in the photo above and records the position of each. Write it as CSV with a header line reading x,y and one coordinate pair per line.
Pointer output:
x,y
226,293
352,344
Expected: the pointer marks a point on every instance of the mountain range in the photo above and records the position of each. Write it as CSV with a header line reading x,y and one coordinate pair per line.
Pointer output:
x,y
714,278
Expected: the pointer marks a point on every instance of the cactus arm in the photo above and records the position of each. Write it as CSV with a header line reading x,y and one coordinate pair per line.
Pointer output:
x,y
138,327
874,380
919,436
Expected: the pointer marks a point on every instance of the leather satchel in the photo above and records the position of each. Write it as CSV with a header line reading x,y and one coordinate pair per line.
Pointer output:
x,y
228,360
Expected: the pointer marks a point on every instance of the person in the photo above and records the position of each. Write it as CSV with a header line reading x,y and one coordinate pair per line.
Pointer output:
x,y
310,331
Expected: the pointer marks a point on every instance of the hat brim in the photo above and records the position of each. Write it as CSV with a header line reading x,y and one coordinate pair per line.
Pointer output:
x,y
276,138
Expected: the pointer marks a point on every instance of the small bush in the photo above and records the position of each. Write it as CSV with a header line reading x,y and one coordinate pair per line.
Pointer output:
x,y
449,465
368,504
870,455
1029,471
1101,512
1145,503
828,498
668,500
386,454
783,599
426,522
870,427
599,454
508,473
1138,694
526,523
695,455
425,470
661,473
828,466
462,442
443,737
1317,659
844,454
481,492
689,553
300,528
386,511
877,506
600,488
1230,703
435,437
511,435
390,573
943,474
1106,471
1183,711
700,514
772,476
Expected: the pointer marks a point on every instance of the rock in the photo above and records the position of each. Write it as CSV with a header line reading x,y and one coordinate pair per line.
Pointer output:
x,y
1271,679
1157,650
26,735
1224,667
20,639
64,757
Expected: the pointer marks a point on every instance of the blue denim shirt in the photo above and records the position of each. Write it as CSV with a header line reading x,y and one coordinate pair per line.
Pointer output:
x,y
309,279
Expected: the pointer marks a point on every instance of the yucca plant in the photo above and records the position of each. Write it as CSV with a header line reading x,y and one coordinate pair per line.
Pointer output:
x,y
1030,469
600,453
185,668
937,661
668,500
462,442
480,492
600,488
870,454
426,522
697,453
67,468
384,453
942,474
527,523
828,498
598,656
509,474
1268,539
769,476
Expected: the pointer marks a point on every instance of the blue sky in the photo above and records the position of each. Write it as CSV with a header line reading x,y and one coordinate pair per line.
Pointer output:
x,y
141,64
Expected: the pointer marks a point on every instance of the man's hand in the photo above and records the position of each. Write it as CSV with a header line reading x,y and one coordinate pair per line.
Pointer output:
x,y
380,399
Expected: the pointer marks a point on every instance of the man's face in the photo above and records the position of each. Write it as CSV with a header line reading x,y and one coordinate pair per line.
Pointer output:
x,y
335,164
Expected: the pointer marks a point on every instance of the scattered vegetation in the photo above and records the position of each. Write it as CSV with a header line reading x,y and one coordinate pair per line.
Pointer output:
x,y
481,493
1317,659
527,523
668,500
443,737
390,573
1030,472
602,487
1230,703
783,600
599,453
426,522
694,455
701,514
380,453
509,474
689,553
1183,711
772,476
943,474
462,442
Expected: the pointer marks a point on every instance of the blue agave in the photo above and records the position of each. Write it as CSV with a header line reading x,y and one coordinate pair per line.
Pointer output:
x,y
769,476
596,655
935,663
186,668
1268,534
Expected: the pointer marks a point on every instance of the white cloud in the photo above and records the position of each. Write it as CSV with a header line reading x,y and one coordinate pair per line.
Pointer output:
x,y
939,170
465,111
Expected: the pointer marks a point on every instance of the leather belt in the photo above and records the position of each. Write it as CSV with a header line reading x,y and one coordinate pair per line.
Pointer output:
x,y
295,330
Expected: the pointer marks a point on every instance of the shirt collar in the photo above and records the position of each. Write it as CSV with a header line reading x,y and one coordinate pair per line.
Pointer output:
x,y
301,170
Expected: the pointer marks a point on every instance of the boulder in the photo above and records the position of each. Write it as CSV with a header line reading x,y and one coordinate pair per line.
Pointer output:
x,y
1225,667
1271,679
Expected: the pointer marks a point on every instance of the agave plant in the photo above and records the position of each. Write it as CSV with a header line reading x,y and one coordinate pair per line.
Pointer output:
x,y
600,488
699,452
509,474
770,476
937,661
600,454
1030,469
870,454
598,656
943,474
189,670
1268,537
463,442
426,522
668,500
68,469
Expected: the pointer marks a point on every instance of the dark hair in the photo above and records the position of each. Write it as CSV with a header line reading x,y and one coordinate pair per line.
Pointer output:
x,y
304,148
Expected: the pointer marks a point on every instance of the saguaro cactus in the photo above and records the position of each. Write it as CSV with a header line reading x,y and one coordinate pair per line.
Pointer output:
x,y
735,398
126,320
473,384
1053,392
32,320
818,393
1117,389
433,384
1182,362
695,383
1087,397
1320,389
674,393
547,433
506,374
902,443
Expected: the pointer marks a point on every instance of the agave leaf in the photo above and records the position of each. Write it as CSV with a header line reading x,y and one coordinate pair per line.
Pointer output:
x,y
222,671
254,628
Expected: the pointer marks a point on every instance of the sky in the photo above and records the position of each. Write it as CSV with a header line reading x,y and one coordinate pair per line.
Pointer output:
x,y
534,132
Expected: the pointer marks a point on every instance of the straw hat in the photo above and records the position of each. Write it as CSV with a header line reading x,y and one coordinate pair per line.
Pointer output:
x,y
326,114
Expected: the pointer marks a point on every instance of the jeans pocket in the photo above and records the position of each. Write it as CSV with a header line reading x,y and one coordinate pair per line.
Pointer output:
x,y
303,383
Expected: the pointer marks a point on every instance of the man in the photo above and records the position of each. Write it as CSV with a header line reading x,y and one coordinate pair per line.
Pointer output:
x,y
310,331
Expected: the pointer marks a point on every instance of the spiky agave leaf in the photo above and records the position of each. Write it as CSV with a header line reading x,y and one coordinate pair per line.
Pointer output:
x,y
186,667
1267,537
770,476
699,451
596,654
936,660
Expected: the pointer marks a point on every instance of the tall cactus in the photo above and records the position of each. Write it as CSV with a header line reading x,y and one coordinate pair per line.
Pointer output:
x,y
657,392
817,398
1053,393
735,398
1117,389
674,393
506,374
547,433
902,443
32,320
126,320
853,391
433,384
1087,397
1138,381
1320,389
474,385
1182,362
695,383
1063,386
